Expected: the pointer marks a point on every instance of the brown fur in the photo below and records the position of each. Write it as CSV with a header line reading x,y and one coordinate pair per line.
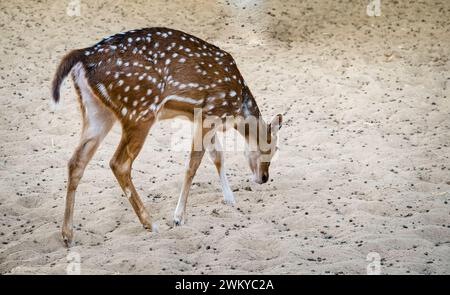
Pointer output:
x,y
139,77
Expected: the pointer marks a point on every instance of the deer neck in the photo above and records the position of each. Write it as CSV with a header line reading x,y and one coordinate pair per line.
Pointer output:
x,y
249,105
252,126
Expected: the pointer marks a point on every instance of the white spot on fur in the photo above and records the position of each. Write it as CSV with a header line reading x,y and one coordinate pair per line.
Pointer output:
x,y
103,90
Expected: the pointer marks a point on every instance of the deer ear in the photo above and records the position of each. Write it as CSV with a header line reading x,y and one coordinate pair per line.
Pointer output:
x,y
275,125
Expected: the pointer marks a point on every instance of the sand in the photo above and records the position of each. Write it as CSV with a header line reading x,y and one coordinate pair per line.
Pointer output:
x,y
364,152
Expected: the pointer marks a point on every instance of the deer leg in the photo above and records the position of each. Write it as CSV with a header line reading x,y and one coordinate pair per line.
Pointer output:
x,y
97,121
216,155
129,147
197,152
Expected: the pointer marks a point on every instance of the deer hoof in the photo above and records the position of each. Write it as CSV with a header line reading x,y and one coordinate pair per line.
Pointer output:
x,y
151,227
67,236
178,221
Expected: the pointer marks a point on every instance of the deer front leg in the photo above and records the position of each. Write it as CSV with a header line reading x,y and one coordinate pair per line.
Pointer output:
x,y
194,162
196,156
216,155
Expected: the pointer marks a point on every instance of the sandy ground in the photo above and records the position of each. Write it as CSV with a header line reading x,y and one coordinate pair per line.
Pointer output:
x,y
364,161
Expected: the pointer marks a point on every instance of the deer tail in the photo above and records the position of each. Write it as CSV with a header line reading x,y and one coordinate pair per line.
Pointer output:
x,y
66,64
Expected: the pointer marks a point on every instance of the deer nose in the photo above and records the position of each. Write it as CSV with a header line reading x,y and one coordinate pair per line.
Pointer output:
x,y
265,177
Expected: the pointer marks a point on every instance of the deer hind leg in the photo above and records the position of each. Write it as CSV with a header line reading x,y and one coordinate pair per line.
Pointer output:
x,y
97,121
133,138
196,156
216,155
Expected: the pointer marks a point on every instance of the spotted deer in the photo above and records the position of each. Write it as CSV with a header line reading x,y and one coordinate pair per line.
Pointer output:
x,y
145,75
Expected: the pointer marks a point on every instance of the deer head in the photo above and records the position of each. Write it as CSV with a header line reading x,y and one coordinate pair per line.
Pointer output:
x,y
262,147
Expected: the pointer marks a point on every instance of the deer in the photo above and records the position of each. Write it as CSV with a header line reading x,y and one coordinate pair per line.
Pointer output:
x,y
141,76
